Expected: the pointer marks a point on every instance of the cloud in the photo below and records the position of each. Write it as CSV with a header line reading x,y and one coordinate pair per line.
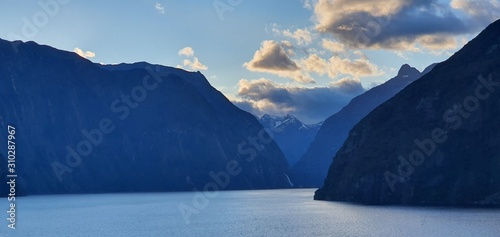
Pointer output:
x,y
332,46
348,85
302,36
316,64
187,51
360,67
402,24
194,64
160,8
191,62
485,11
276,58
311,105
307,4
287,44
438,42
289,47
86,54
335,66
332,9
273,58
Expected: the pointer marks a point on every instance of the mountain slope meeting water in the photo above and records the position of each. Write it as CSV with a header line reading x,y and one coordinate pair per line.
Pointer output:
x,y
290,213
88,128
434,143
312,168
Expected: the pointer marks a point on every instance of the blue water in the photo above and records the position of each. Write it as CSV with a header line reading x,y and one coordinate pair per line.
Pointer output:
x,y
236,213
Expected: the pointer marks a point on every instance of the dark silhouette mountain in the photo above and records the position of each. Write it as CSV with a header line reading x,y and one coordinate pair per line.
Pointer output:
x,y
291,135
87,128
434,143
313,166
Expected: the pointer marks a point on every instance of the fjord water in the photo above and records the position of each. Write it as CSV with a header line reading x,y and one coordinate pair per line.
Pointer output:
x,y
238,213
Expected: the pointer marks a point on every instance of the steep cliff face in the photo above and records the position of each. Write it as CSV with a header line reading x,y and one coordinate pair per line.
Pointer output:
x,y
435,142
85,128
312,168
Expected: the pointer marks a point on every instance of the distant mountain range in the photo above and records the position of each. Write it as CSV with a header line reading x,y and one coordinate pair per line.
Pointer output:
x,y
291,135
88,128
434,143
312,167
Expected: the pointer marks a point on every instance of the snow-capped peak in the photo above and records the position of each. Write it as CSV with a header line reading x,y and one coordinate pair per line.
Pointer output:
x,y
280,121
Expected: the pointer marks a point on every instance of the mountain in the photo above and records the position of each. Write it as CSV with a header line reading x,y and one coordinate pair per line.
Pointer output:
x,y
291,135
88,128
313,166
434,143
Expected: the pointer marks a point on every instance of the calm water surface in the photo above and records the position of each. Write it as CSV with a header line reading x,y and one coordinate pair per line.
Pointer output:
x,y
236,213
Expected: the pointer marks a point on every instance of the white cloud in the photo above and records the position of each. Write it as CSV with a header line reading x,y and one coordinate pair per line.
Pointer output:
x,y
273,58
489,10
307,4
316,64
276,58
438,42
187,51
332,46
286,43
160,8
360,67
289,47
330,12
302,36
84,54
435,25
194,64
263,96
335,66
191,62
347,84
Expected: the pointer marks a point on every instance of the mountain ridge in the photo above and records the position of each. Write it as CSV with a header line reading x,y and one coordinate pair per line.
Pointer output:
x,y
291,135
170,131
313,165
439,146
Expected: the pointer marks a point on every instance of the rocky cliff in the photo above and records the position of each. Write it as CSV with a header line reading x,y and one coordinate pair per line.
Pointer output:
x,y
434,143
312,168
87,128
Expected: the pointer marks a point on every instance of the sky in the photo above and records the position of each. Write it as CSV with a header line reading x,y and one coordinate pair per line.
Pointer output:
x,y
308,58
